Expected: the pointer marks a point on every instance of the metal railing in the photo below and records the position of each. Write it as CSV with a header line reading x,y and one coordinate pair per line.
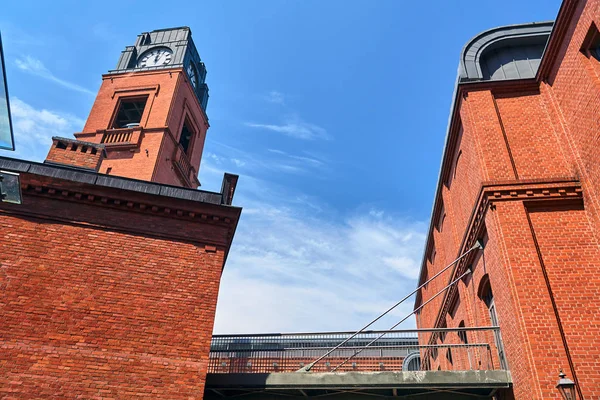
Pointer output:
x,y
182,162
455,349
117,136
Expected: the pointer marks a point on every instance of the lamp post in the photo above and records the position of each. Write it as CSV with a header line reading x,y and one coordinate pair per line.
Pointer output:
x,y
566,387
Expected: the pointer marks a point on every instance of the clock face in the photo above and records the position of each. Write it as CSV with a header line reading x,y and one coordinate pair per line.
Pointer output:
x,y
155,57
191,71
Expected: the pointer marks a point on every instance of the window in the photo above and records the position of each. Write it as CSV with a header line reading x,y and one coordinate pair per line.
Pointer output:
x,y
130,112
591,43
412,362
451,174
441,218
441,223
442,334
449,356
462,335
186,136
454,304
456,164
432,255
488,298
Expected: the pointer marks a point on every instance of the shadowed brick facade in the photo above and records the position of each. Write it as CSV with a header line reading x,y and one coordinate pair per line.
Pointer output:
x,y
110,267
521,172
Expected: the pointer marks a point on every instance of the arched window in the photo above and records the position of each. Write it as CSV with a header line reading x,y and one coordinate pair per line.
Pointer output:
x,y
486,294
412,362
456,164
462,335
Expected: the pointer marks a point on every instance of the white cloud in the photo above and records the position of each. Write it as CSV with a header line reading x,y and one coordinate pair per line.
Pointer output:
x,y
36,67
295,267
306,160
294,127
275,97
288,271
238,163
34,128
273,161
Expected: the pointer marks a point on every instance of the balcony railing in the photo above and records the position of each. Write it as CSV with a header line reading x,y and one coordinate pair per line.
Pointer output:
x,y
117,136
462,349
182,162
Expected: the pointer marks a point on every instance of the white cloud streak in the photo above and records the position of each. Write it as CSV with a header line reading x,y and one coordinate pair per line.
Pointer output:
x,y
35,67
34,128
275,97
273,161
295,128
294,266
291,272
306,160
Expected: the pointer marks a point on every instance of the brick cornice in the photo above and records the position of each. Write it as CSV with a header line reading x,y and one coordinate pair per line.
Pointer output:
x,y
534,190
130,212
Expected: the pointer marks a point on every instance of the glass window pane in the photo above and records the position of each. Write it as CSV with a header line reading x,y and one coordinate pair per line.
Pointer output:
x,y
6,134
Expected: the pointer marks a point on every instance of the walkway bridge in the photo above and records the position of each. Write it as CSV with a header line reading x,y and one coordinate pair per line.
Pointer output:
x,y
441,363
463,363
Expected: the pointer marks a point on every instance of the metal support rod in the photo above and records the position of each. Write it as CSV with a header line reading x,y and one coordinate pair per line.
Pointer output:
x,y
468,271
476,246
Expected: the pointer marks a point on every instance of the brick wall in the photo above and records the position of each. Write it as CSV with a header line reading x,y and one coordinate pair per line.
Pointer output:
x,y
170,100
527,179
104,298
75,153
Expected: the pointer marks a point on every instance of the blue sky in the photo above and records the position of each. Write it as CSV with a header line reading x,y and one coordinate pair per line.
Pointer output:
x,y
332,112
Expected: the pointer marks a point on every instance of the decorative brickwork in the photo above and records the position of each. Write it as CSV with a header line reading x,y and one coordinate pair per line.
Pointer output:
x,y
75,153
521,173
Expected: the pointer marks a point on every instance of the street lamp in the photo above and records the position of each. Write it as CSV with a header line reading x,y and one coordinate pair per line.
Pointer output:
x,y
566,387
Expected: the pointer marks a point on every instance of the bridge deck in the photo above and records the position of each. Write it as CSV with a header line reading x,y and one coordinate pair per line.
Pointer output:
x,y
423,385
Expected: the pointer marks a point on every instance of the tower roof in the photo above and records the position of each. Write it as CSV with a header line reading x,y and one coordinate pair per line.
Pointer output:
x,y
506,52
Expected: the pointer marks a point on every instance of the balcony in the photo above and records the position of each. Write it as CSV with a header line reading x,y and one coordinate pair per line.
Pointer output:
x,y
122,138
183,167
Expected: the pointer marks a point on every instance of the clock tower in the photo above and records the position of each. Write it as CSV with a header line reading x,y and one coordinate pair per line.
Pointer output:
x,y
150,112
111,261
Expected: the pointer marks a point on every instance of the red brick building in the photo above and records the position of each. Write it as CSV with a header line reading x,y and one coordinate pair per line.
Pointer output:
x,y
521,172
110,266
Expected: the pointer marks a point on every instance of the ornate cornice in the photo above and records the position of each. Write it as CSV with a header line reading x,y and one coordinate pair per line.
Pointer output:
x,y
89,199
121,202
210,229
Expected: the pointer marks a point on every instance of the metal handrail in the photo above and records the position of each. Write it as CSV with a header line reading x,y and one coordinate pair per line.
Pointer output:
x,y
419,330
407,346
277,353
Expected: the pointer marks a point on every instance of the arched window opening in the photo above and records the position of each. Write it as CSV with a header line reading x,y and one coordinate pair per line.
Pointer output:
x,y
412,362
462,335
486,294
456,163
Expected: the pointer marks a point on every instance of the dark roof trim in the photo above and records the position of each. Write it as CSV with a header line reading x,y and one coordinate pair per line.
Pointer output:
x,y
94,178
470,67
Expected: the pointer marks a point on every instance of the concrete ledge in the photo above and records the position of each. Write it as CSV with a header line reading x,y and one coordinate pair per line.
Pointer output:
x,y
355,380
